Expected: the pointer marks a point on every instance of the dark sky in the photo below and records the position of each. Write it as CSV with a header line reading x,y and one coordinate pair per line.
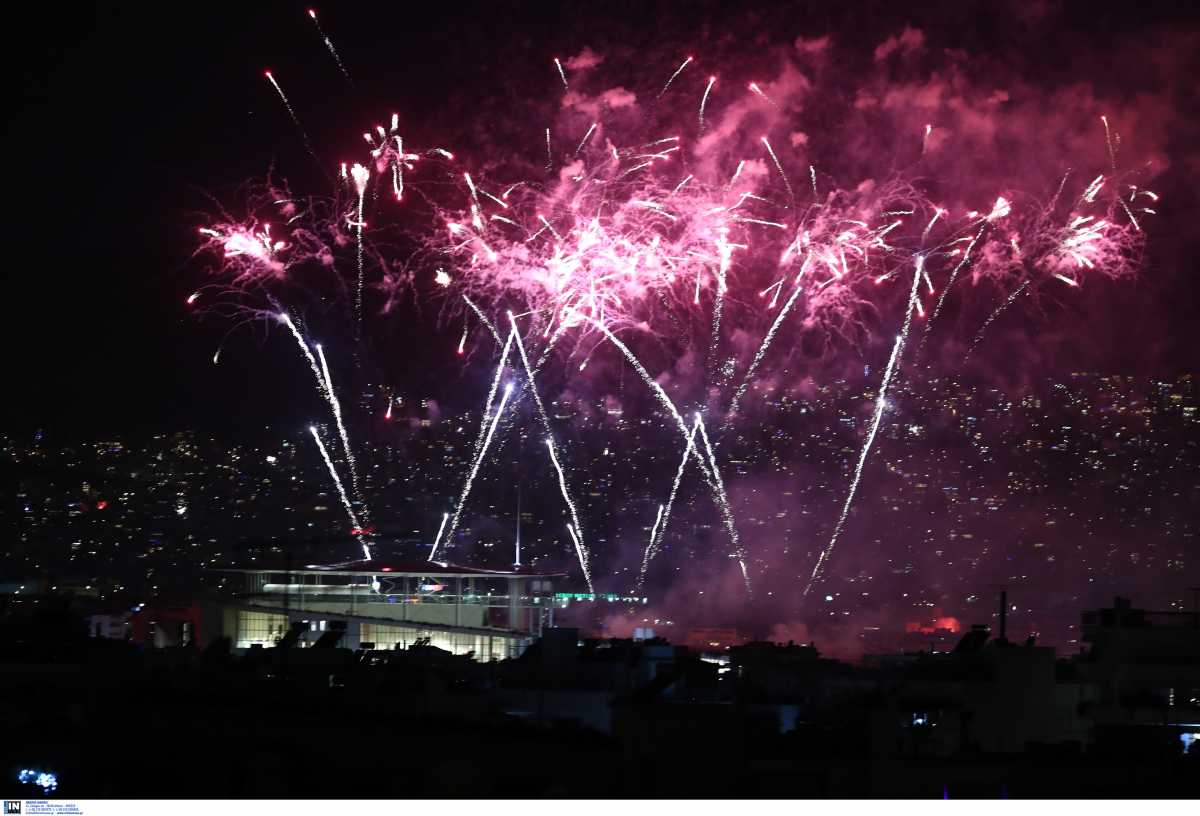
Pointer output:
x,y
121,120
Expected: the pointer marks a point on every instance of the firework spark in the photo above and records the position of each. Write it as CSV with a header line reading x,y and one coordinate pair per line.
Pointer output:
x,y
360,175
712,80
286,320
437,538
736,552
678,71
880,407
991,318
466,491
354,523
336,405
580,550
779,167
759,92
620,243
329,46
562,479
586,136
650,544
654,544
762,350
292,113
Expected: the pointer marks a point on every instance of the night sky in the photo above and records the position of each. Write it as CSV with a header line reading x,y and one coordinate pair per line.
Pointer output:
x,y
122,120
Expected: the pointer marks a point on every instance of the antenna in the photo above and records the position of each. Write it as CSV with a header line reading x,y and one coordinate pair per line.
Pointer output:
x,y
1003,615
517,562
1002,635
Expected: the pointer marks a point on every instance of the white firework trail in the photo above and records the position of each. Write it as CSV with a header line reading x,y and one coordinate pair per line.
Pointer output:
x,y
1112,154
478,449
562,480
483,319
779,167
937,213
654,544
334,404
737,171
575,539
679,186
325,386
1008,302
778,287
341,491
491,397
704,99
580,551
295,119
438,537
762,350
529,374
678,71
655,388
466,491
286,320
725,254
707,468
953,277
554,338
880,407
718,308
582,142
650,544
759,92
723,505
329,46
360,176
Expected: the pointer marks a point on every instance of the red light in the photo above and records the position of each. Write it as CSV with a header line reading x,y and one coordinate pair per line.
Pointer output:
x,y
100,505
387,569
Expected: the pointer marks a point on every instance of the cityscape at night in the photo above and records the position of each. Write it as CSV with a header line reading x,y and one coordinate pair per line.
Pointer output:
x,y
758,401
1076,468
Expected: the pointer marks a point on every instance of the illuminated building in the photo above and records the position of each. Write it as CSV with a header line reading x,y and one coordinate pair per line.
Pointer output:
x,y
492,614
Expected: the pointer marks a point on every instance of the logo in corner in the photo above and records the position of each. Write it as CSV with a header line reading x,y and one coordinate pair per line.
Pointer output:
x,y
12,808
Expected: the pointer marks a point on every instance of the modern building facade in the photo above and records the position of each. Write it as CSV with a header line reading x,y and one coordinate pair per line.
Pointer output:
x,y
490,614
